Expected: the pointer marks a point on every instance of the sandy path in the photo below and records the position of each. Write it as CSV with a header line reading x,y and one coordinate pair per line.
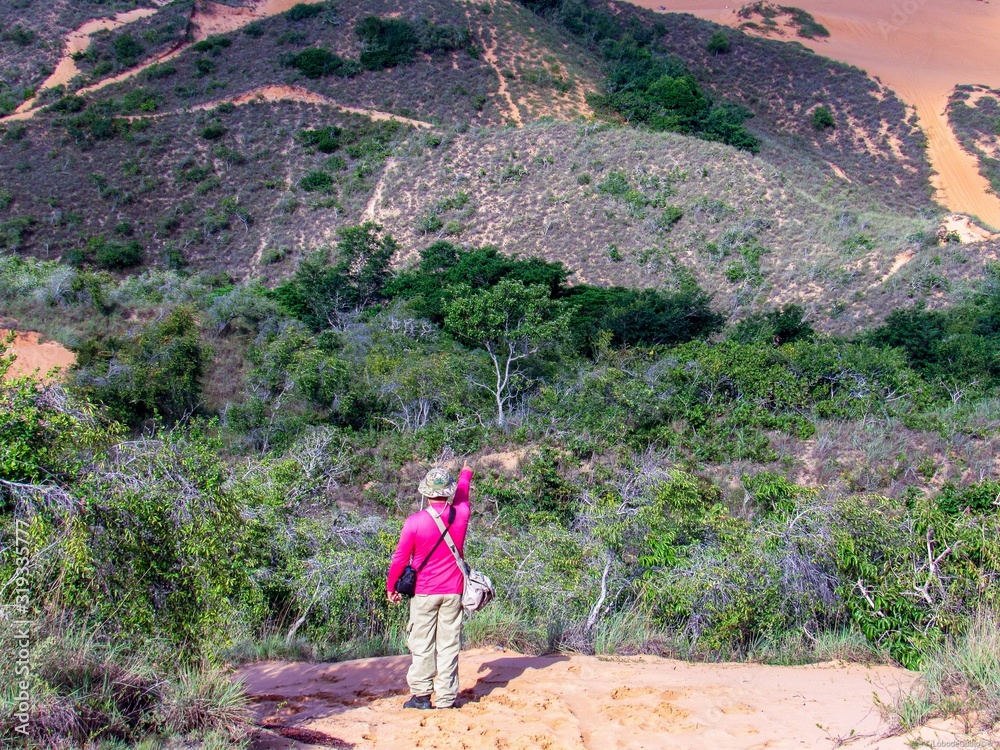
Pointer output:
x,y
514,702
31,355
286,94
371,209
921,49
490,56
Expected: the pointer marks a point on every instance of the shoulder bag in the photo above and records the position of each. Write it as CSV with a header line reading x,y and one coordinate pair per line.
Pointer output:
x,y
479,589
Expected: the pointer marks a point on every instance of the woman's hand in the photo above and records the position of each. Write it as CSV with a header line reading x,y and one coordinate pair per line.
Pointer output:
x,y
394,597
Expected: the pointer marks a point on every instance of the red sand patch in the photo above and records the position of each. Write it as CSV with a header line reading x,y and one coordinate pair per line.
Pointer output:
x,y
33,355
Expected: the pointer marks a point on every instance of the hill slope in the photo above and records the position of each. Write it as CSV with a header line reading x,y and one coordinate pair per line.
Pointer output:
x,y
189,162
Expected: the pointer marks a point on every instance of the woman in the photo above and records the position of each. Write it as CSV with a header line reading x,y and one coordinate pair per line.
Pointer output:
x,y
434,632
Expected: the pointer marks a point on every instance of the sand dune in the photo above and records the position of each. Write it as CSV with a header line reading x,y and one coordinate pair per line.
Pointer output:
x,y
920,49
514,702
32,355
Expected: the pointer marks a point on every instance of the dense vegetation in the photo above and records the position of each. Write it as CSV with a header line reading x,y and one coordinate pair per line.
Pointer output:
x,y
657,507
645,85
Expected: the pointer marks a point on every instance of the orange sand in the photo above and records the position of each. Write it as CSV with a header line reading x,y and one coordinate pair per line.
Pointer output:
x,y
299,94
921,49
576,702
31,355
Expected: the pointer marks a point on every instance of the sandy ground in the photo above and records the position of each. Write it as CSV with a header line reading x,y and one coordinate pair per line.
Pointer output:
x,y
514,702
967,230
32,355
921,49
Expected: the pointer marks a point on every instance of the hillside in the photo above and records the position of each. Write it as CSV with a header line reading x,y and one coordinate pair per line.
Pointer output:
x,y
165,162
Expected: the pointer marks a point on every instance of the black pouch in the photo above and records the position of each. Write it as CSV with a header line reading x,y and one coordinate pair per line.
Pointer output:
x,y
406,584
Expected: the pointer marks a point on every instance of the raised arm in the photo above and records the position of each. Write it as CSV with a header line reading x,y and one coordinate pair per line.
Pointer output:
x,y
462,493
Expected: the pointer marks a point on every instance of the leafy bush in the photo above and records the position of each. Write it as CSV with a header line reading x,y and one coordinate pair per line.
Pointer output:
x,y
317,62
71,103
154,371
304,11
127,50
718,43
318,292
386,42
822,118
325,140
214,44
317,181
115,255
214,131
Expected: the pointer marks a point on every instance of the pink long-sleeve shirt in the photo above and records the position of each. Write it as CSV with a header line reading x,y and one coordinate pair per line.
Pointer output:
x,y
441,574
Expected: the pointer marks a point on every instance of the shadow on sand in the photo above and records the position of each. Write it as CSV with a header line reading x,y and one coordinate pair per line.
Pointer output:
x,y
498,673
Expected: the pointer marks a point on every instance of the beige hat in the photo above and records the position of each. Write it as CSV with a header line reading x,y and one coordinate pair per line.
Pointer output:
x,y
438,483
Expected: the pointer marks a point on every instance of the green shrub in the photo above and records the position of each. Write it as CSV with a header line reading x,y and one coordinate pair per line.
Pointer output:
x,y
317,181
386,42
213,131
822,118
158,71
669,217
113,255
317,62
718,43
254,29
69,103
14,232
325,140
155,371
214,44
304,11
20,36
127,49
204,66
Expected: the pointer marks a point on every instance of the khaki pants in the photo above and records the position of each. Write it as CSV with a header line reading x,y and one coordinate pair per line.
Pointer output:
x,y
434,637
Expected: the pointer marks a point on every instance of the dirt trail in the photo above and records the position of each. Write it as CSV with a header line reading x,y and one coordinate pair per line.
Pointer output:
x,y
578,703
288,94
921,50
490,55
31,355
79,41
376,198
208,18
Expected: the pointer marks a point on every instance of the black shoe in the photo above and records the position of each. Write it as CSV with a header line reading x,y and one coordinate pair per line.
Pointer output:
x,y
422,702
453,705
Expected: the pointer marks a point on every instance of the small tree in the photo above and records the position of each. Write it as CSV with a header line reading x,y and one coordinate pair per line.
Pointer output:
x,y
513,323
823,118
364,254
719,43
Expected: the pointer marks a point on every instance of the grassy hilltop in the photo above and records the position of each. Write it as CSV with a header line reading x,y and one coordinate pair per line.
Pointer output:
x,y
752,410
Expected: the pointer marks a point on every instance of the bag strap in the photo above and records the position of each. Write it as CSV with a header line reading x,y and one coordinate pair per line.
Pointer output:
x,y
446,535
444,532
